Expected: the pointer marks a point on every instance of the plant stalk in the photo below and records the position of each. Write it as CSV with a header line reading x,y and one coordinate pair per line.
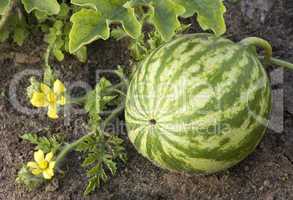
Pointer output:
x,y
113,115
259,42
281,63
69,147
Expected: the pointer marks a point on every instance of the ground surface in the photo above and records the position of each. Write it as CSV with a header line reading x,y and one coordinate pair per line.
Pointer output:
x,y
266,174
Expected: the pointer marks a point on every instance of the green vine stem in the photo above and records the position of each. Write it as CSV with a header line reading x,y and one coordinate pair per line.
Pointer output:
x,y
259,42
281,63
268,59
69,147
6,15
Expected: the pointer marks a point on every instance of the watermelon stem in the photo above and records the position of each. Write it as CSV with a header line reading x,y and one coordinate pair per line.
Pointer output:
x,y
281,63
259,42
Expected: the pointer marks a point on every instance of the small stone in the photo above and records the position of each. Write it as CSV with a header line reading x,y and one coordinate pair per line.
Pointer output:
x,y
246,168
266,183
21,58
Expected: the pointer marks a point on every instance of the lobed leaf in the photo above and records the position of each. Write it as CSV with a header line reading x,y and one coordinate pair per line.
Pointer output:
x,y
93,24
51,7
88,26
50,144
164,15
210,13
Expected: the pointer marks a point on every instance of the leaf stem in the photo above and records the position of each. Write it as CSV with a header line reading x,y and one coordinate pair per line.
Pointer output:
x,y
259,42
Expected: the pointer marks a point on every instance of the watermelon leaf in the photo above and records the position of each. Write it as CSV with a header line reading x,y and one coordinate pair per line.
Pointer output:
x,y
164,15
51,7
92,24
3,6
209,13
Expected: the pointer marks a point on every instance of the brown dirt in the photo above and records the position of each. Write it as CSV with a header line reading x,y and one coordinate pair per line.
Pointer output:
x,y
267,174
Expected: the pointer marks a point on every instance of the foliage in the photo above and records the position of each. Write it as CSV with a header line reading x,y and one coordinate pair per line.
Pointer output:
x,y
4,4
94,23
46,144
100,152
16,27
26,178
142,46
50,7
91,20
96,102
57,36
162,14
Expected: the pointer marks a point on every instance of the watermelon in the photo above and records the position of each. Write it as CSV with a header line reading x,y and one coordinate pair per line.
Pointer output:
x,y
198,104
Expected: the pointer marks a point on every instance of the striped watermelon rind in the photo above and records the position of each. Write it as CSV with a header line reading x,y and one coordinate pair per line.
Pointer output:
x,y
199,103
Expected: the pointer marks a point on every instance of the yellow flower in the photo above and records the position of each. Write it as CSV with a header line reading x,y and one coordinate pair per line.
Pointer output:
x,y
42,165
50,98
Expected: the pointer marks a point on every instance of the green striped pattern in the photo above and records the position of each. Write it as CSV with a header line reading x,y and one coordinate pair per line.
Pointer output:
x,y
198,104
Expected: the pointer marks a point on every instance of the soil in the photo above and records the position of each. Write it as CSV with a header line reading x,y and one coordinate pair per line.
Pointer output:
x,y
267,174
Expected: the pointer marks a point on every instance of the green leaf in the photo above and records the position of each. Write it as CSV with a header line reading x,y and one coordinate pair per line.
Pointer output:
x,y
81,54
26,178
92,185
59,55
4,4
4,35
43,143
51,7
100,153
164,15
41,16
16,27
111,166
20,34
209,13
64,11
89,160
88,26
98,21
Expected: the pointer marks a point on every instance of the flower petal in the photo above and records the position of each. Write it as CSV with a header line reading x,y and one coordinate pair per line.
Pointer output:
x,y
32,165
52,111
48,173
62,101
39,156
46,89
39,100
49,156
59,87
36,171
52,165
